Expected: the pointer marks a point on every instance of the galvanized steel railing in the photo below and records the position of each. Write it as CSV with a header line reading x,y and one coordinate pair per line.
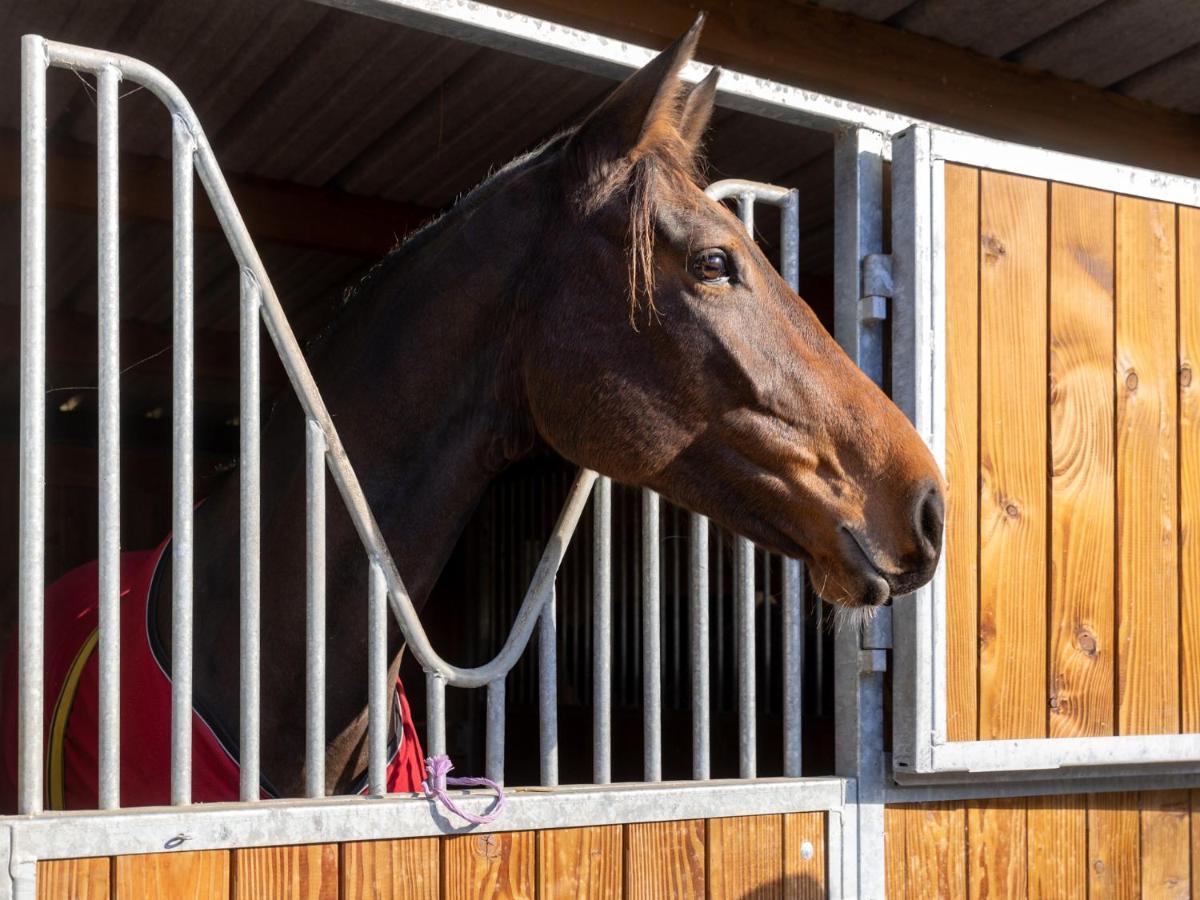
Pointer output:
x,y
191,152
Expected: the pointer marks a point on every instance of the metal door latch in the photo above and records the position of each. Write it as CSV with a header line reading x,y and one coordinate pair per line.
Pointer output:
x,y
876,287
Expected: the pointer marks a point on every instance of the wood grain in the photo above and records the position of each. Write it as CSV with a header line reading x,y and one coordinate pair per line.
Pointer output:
x,y
1056,847
304,872
1082,595
804,879
1166,844
895,850
74,879
665,859
996,847
1194,796
391,870
962,450
745,856
1114,868
1189,467
1148,615
1012,460
580,862
197,875
935,840
488,865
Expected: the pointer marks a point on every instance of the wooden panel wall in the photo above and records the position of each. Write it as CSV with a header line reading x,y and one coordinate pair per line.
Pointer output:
x,y
1073,588
777,856
1096,845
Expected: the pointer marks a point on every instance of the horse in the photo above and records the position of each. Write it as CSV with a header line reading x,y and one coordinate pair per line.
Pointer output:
x,y
588,299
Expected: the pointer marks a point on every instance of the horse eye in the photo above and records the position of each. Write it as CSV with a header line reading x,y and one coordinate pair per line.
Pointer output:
x,y
711,266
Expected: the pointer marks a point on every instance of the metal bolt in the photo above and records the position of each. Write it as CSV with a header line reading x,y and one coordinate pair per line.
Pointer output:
x,y
806,850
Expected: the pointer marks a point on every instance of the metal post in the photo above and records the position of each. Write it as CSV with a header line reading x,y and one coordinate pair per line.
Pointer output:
x,y
548,691
494,756
602,633
314,697
793,666
184,148
435,712
31,576
108,327
698,593
651,640
377,688
250,538
744,604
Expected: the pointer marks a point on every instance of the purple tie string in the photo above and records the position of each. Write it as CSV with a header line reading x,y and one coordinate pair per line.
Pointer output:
x,y
435,789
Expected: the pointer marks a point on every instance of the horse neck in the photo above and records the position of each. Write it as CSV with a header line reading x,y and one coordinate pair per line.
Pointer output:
x,y
415,374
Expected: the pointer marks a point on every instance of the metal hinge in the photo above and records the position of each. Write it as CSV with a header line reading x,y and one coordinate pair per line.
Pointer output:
x,y
876,287
875,639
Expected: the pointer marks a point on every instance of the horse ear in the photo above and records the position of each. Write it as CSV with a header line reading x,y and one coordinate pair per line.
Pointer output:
x,y
698,109
636,112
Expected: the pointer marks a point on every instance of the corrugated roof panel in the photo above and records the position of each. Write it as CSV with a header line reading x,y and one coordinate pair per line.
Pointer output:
x,y
994,29
1173,82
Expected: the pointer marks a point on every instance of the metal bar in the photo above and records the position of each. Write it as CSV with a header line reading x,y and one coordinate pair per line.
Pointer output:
x,y
602,633
793,666
746,211
108,327
183,496
314,649
248,471
548,691
744,604
32,566
698,593
377,689
435,712
494,756
651,640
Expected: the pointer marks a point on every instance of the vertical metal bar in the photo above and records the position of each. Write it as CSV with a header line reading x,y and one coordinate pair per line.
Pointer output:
x,y
494,757
744,600
789,239
377,687
602,632
698,593
767,635
248,471
651,640
314,649
548,690
819,652
746,211
108,327
435,712
184,149
32,569
721,619
793,666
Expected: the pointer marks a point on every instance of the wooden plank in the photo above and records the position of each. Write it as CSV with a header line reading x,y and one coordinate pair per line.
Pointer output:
x,y
1056,846
895,850
391,870
1189,467
305,872
745,856
935,836
962,451
996,848
1082,462
665,859
1148,613
580,862
489,865
1114,868
1194,796
193,875
804,865
915,75
1012,457
74,879
1166,844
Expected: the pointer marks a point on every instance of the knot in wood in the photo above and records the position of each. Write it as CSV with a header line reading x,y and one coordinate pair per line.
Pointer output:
x,y
1185,376
1131,381
1012,510
1086,641
993,248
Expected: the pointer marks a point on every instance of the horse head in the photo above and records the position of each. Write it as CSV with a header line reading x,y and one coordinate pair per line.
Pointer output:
x,y
669,353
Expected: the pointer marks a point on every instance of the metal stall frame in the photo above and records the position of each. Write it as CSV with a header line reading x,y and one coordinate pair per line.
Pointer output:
x,y
37,834
921,752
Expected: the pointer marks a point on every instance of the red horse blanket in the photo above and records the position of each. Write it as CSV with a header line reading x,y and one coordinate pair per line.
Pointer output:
x,y
72,706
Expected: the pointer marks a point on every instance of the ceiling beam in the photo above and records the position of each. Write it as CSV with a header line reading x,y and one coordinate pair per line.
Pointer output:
x,y
855,59
279,211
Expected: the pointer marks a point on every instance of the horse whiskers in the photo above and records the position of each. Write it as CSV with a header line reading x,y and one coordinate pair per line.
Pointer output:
x,y
855,617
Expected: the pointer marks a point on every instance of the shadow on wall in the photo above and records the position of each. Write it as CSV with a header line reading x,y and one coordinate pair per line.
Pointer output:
x,y
791,887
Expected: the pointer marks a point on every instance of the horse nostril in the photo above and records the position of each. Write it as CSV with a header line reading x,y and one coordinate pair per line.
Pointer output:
x,y
928,518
